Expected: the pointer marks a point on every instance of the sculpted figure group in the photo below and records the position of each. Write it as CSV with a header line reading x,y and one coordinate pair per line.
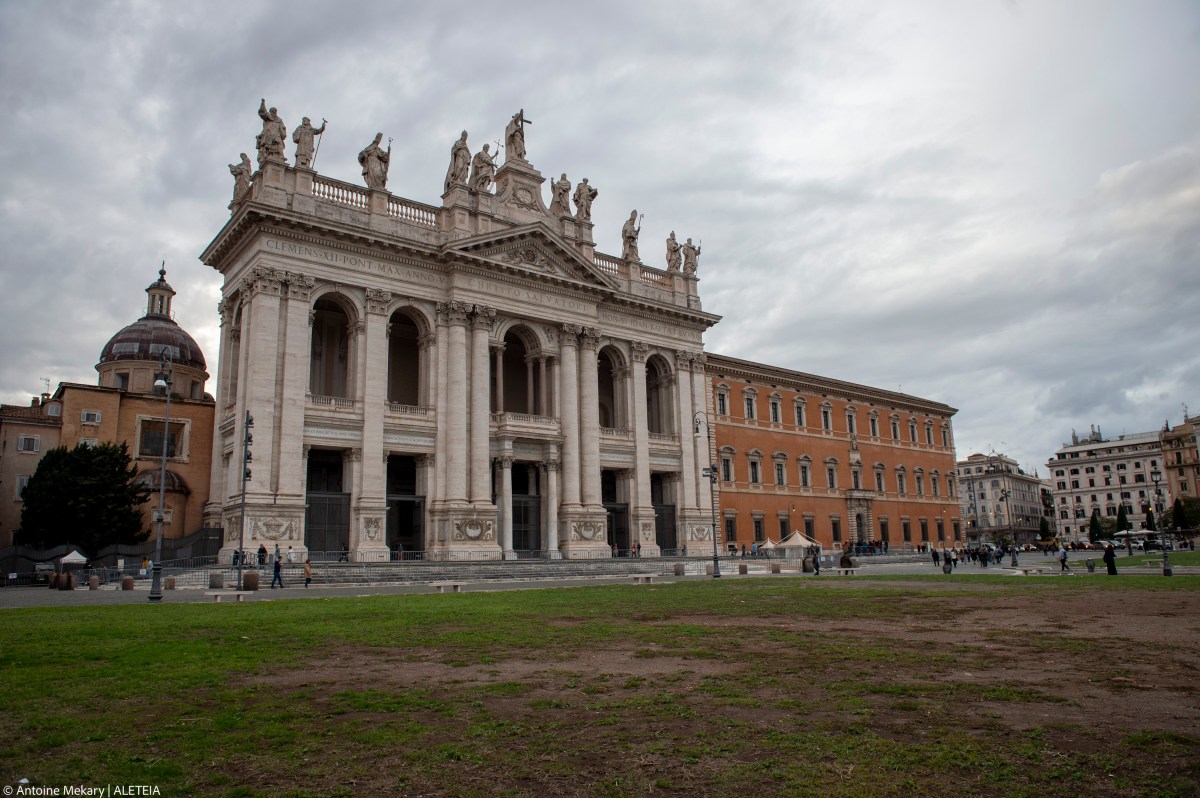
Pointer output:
x,y
475,173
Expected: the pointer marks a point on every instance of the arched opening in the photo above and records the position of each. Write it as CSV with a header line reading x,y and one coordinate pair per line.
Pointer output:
x,y
235,360
329,360
610,387
658,394
404,360
517,374
860,528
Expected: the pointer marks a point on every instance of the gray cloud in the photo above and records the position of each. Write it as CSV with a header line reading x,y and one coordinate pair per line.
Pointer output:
x,y
991,206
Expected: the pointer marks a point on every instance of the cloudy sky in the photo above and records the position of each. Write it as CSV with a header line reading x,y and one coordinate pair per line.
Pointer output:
x,y
991,204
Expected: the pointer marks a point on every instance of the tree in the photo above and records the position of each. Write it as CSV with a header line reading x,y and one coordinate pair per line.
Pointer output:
x,y
1044,529
1122,520
1178,514
1150,521
86,497
1094,528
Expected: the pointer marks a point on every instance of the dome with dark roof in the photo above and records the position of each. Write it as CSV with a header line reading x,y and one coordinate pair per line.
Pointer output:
x,y
156,332
146,338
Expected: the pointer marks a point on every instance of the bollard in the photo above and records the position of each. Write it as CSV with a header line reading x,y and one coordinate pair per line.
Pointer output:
x,y
775,568
93,582
216,581
708,569
250,580
54,581
66,581
742,569
680,569
806,565
169,583
127,583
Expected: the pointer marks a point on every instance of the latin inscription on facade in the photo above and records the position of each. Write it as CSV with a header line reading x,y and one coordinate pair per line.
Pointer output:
x,y
336,258
527,295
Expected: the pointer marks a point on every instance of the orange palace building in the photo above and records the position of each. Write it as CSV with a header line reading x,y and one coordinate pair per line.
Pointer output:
x,y
835,461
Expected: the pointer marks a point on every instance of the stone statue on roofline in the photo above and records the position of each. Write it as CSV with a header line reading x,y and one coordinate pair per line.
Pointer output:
x,y
303,136
629,238
272,139
460,164
691,254
560,205
584,194
514,136
483,170
673,256
375,160
241,176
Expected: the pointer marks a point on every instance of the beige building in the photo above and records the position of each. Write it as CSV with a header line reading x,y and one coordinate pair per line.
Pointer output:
x,y
125,406
26,434
999,500
1181,462
470,379
1093,475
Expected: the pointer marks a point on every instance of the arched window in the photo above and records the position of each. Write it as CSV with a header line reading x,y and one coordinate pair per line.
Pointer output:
x,y
330,353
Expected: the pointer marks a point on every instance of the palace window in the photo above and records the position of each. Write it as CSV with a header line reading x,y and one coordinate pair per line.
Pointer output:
x,y
906,528
800,420
758,528
730,529
856,478
879,481
901,483
779,474
895,428
924,530
805,477
90,417
749,407
826,418
722,404
150,441
835,524
851,427
874,424
946,441
754,476
727,469
29,443
929,433
912,431
831,477
776,409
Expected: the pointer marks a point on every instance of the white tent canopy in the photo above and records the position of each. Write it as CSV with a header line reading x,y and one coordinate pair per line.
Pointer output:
x,y
73,557
797,540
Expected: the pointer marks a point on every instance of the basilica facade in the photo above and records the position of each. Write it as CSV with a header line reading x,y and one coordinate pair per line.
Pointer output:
x,y
466,380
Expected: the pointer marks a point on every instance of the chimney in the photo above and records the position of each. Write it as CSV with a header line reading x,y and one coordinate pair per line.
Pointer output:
x,y
35,401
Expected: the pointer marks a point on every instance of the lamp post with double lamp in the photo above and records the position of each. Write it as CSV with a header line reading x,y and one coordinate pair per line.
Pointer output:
x,y
163,383
711,472
1156,477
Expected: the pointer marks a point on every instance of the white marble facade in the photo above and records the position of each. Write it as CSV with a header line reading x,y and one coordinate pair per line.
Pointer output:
x,y
469,380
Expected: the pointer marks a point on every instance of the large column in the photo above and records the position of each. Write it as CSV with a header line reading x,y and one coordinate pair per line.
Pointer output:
x,y
506,507
452,404
371,507
568,408
589,423
499,372
550,499
687,451
216,477
481,484
530,399
542,408
427,373
642,509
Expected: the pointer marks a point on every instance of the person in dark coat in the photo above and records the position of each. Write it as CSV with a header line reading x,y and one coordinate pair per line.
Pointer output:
x,y
1110,559
278,577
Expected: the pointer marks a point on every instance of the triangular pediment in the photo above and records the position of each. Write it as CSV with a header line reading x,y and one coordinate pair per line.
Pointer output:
x,y
533,249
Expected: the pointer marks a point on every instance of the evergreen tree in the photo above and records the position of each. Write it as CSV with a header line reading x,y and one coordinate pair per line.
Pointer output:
x,y
1122,520
1044,529
1094,528
1150,521
86,497
1178,514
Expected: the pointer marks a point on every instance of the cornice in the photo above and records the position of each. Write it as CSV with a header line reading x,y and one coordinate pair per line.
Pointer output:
x,y
812,383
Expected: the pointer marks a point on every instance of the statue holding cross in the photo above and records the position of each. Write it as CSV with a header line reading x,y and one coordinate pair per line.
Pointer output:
x,y
514,136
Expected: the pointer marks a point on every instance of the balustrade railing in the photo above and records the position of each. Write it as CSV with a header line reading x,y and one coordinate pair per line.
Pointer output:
x,y
332,401
654,277
613,432
341,193
524,418
408,410
607,263
664,436
416,213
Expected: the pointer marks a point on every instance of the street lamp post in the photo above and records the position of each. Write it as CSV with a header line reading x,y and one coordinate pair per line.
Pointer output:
x,y
701,418
1156,477
165,375
247,439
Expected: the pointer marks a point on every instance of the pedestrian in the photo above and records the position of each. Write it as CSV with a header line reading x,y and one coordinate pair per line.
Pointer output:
x,y
291,555
1062,560
614,549
1110,559
276,553
936,560
953,559
307,573
816,558
278,577
262,555
743,551
754,549
638,549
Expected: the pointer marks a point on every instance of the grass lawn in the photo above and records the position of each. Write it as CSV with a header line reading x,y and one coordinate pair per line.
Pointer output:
x,y
933,685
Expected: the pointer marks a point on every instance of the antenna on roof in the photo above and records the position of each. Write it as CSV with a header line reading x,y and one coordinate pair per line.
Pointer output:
x,y
46,381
